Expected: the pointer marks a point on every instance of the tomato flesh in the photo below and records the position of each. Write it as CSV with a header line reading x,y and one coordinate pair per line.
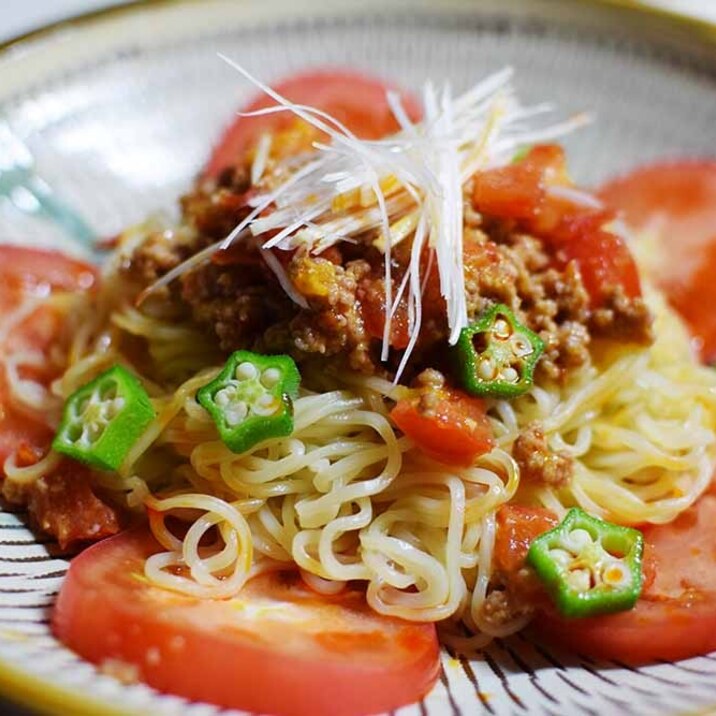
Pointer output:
x,y
276,648
512,192
518,191
678,201
455,430
371,293
354,99
675,618
517,526
604,262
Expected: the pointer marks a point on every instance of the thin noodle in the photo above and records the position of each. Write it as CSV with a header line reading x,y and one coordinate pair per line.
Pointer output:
x,y
345,497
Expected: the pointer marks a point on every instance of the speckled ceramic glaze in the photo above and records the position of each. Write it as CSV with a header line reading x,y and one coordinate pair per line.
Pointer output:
x,y
107,120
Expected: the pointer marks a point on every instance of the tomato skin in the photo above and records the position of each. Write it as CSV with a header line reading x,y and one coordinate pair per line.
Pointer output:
x,y
675,618
455,431
678,200
356,100
336,657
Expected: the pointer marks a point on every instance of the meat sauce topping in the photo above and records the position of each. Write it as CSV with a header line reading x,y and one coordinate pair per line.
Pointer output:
x,y
563,275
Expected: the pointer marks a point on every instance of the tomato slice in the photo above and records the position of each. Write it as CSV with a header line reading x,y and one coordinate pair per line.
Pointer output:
x,y
675,617
26,273
678,201
39,271
276,648
356,100
454,429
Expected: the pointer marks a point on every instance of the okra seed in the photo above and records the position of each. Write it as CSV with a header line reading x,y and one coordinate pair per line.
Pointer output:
x,y
223,397
520,346
266,405
615,574
236,412
577,540
246,371
510,375
270,377
95,430
580,580
561,557
108,392
486,369
501,329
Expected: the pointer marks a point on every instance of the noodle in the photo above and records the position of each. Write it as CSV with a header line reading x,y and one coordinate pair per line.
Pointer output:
x,y
345,497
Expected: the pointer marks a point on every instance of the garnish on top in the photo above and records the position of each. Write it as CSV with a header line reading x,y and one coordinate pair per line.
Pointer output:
x,y
408,187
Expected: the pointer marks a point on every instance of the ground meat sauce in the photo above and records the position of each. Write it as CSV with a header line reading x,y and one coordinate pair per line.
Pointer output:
x,y
334,323
238,302
621,317
241,301
538,462
64,505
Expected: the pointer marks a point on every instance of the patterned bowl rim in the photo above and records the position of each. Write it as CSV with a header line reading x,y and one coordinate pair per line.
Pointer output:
x,y
34,692
704,26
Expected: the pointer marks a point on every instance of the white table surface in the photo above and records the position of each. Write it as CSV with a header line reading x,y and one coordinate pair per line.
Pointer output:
x,y
20,16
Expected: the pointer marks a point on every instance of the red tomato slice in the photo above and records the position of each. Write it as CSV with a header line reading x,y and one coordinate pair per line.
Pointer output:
x,y
354,99
23,273
455,430
41,271
678,199
676,615
276,648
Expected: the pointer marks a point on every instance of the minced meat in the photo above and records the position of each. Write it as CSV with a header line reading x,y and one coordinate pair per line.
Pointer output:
x,y
238,298
538,462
